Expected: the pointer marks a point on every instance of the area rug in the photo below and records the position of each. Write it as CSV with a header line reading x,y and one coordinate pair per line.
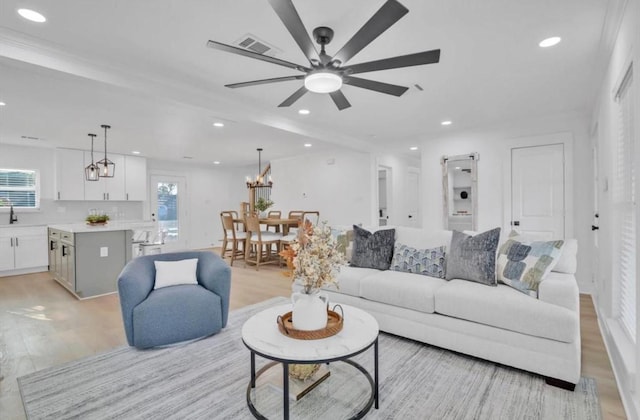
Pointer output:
x,y
207,379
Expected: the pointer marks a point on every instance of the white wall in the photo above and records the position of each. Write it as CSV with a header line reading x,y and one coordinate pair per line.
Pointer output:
x,y
51,211
338,184
625,356
493,145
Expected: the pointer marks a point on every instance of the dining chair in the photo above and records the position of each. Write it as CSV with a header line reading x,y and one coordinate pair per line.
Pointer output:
x,y
231,234
274,214
312,216
258,247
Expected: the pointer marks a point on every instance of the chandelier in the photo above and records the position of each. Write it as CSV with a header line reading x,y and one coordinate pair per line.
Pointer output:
x,y
259,180
92,172
107,168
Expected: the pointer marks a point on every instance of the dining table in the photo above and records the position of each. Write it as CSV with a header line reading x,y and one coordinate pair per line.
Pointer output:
x,y
284,223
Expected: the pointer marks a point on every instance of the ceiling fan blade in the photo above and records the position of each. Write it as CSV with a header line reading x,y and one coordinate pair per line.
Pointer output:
x,y
417,59
383,19
340,100
381,87
235,50
291,99
264,81
291,19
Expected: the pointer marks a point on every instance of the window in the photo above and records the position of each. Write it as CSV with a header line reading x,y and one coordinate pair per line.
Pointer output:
x,y
20,188
625,210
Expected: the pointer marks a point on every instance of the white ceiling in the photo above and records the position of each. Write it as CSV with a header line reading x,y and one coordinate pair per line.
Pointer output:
x,y
143,67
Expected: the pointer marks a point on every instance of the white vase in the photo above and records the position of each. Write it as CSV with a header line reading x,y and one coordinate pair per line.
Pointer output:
x,y
309,311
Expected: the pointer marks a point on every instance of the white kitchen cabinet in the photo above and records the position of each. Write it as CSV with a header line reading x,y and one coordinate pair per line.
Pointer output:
x,y
6,253
135,171
69,165
23,248
104,189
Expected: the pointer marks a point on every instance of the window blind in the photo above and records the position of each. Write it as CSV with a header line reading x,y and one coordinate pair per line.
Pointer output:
x,y
18,188
625,211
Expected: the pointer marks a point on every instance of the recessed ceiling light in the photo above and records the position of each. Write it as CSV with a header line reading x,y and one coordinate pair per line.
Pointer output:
x,y
216,162
218,124
550,42
413,148
308,145
135,152
446,122
2,104
32,15
304,112
458,168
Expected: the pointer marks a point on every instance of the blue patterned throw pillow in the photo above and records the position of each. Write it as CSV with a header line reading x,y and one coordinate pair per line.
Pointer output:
x,y
524,266
428,262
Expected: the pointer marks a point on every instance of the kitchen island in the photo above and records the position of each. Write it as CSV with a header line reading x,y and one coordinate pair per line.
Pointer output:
x,y
86,259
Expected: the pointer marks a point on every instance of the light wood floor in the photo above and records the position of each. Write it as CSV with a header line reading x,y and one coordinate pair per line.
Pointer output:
x,y
42,325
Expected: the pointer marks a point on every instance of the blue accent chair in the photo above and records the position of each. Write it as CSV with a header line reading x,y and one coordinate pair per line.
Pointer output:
x,y
174,313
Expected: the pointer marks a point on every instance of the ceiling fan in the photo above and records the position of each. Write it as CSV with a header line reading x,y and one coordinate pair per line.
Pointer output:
x,y
326,73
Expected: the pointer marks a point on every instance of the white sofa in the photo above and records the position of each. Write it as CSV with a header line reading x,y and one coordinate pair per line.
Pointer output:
x,y
498,324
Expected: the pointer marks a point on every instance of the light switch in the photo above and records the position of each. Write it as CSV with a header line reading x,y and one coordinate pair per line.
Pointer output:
x,y
104,251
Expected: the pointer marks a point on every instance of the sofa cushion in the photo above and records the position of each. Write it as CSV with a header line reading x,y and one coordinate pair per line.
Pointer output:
x,y
177,313
401,289
349,279
372,250
505,307
524,266
473,257
428,262
568,261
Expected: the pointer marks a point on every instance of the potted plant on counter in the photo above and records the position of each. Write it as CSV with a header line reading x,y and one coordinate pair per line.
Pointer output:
x,y
97,219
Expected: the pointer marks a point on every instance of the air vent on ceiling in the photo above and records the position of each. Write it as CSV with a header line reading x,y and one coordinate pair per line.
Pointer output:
x,y
253,43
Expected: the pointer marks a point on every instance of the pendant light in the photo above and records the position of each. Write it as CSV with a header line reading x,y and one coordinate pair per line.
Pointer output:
x,y
107,168
92,172
259,181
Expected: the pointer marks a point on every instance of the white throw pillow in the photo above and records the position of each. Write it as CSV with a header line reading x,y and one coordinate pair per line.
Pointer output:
x,y
172,273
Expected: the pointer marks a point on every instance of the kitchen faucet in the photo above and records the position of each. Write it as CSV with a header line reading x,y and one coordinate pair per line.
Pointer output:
x,y
13,217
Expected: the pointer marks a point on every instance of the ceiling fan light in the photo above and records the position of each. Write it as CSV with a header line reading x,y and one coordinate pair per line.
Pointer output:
x,y
323,82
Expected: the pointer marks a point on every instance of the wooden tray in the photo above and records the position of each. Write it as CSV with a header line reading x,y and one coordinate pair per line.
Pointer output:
x,y
335,322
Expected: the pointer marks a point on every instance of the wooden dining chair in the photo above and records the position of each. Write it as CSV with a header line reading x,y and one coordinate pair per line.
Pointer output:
x,y
232,236
296,214
274,214
312,216
259,244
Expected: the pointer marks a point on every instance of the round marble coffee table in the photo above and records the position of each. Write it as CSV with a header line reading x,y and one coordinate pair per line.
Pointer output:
x,y
261,336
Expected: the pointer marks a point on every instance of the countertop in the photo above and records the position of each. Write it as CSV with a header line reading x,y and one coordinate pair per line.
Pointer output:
x,y
22,225
111,226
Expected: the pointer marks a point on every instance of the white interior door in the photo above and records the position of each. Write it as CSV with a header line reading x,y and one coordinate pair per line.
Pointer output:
x,y
537,190
413,198
168,198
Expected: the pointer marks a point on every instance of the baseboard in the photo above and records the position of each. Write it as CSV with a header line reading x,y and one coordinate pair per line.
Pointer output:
x,y
22,271
628,402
